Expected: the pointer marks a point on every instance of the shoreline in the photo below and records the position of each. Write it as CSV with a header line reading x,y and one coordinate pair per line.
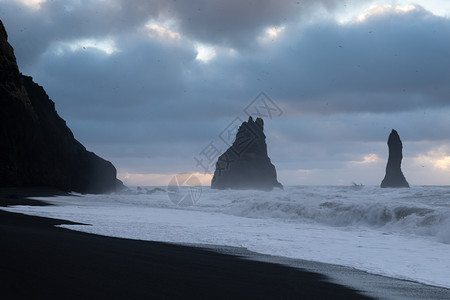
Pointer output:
x,y
373,285
43,260
333,277
52,262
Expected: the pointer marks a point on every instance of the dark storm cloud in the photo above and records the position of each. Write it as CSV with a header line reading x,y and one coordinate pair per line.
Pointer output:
x,y
141,72
367,127
235,23
231,23
392,61
389,63
32,31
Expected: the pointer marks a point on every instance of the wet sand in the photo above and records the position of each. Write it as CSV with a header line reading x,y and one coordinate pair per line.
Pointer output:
x,y
40,260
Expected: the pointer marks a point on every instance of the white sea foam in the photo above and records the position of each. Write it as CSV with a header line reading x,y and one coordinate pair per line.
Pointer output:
x,y
403,233
420,210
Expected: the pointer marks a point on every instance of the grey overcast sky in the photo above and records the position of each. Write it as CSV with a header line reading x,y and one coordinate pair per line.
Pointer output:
x,y
151,85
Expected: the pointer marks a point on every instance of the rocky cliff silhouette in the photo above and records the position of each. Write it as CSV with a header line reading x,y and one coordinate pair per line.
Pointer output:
x,y
394,177
246,165
36,146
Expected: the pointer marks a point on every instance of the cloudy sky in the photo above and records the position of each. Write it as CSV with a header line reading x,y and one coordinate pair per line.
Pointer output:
x,y
154,85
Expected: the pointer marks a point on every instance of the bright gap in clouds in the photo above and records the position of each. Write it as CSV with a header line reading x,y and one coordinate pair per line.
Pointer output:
x,y
369,158
437,7
133,179
383,9
162,33
360,12
270,34
107,46
438,158
360,16
34,4
205,53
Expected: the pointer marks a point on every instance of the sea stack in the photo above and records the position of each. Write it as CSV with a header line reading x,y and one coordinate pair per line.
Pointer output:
x,y
394,177
36,146
246,165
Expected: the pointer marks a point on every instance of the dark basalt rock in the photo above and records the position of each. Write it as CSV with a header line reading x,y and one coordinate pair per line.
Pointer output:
x,y
394,177
36,146
245,165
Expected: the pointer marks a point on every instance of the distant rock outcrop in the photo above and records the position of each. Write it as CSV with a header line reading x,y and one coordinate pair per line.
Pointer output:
x,y
394,177
36,146
245,165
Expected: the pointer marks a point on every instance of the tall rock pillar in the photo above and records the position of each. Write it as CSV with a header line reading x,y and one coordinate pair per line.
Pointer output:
x,y
394,177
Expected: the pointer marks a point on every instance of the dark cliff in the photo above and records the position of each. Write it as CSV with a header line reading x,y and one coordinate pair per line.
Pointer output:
x,y
36,146
394,177
246,165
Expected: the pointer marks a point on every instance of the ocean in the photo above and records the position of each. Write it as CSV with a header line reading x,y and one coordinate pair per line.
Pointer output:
x,y
399,233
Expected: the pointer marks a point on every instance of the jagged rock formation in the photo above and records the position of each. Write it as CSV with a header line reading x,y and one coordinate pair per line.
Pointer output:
x,y
394,177
245,165
36,146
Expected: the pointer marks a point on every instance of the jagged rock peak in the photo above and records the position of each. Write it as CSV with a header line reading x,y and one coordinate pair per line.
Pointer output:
x,y
394,176
246,165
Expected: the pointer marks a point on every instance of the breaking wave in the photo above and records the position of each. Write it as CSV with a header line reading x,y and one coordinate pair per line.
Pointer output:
x,y
419,210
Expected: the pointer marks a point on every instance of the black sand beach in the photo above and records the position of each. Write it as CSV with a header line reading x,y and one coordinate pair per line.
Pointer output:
x,y
43,261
